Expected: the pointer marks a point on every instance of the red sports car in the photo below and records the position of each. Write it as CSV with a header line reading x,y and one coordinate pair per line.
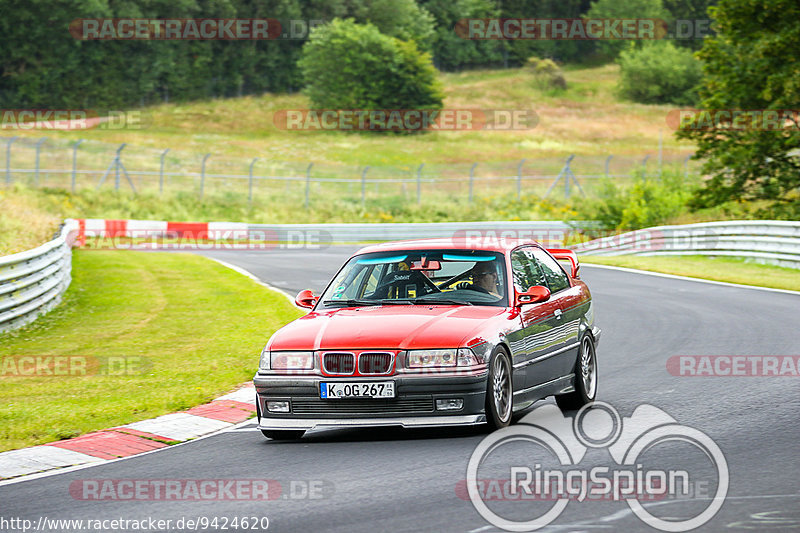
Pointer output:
x,y
431,333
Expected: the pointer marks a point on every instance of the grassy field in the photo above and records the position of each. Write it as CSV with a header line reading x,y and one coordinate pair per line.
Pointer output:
x,y
731,270
189,329
588,119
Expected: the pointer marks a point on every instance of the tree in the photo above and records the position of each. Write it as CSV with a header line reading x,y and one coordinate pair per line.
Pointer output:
x,y
626,9
751,64
347,65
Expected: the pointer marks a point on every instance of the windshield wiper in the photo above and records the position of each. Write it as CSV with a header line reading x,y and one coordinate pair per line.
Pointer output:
x,y
351,303
440,301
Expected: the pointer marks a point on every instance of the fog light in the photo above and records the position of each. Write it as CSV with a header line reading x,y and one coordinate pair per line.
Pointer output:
x,y
278,407
449,404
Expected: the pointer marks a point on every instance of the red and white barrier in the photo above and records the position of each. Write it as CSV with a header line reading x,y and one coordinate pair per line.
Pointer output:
x,y
97,227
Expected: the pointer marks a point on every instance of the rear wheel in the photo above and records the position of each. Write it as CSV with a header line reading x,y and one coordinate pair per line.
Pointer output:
x,y
283,434
585,378
499,392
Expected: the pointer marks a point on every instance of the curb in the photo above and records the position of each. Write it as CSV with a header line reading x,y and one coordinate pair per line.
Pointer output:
x,y
132,439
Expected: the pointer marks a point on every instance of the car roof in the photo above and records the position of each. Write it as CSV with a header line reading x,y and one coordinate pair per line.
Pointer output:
x,y
490,242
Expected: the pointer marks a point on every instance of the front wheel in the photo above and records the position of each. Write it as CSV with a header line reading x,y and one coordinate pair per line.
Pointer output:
x,y
283,434
585,378
499,392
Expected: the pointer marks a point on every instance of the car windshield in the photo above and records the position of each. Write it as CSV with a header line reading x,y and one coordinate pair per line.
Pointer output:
x,y
465,277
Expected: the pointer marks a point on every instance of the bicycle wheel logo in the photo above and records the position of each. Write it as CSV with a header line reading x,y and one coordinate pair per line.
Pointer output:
x,y
599,426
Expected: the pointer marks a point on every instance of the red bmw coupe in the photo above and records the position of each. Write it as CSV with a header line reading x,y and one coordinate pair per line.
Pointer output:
x,y
431,333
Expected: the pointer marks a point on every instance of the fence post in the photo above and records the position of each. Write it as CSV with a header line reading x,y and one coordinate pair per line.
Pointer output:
x,y
8,159
608,160
308,184
364,184
519,179
38,148
250,181
75,162
686,166
419,183
203,174
161,172
471,179
644,165
660,151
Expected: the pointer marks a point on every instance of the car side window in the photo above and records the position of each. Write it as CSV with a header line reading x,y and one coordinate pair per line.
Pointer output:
x,y
525,271
553,273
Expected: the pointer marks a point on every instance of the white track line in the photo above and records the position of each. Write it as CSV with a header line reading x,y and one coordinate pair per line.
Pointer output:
x,y
687,278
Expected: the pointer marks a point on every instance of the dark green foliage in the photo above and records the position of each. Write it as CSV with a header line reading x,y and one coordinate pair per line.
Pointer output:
x,y
659,73
752,63
347,65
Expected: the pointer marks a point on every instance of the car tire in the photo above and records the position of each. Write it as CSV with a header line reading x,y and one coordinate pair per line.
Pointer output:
x,y
283,434
499,390
585,378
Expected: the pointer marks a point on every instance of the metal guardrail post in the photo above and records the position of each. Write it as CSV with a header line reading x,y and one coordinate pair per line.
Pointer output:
x,y
75,162
250,182
8,159
308,185
519,179
471,179
419,183
203,174
38,150
161,172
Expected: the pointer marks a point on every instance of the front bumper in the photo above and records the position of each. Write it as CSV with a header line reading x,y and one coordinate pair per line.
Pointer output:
x,y
413,406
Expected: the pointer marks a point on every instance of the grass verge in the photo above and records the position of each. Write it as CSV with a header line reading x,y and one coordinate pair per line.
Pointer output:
x,y
731,270
188,328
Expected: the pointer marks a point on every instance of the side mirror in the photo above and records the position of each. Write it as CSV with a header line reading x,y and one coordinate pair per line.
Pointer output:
x,y
306,298
535,294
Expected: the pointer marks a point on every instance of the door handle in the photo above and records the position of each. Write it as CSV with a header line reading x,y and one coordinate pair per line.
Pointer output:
x,y
557,313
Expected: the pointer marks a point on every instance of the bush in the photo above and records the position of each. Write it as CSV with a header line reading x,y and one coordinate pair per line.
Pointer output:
x,y
353,66
645,202
660,73
546,74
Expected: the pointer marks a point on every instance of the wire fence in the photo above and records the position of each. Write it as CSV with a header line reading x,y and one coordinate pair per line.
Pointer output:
x,y
91,164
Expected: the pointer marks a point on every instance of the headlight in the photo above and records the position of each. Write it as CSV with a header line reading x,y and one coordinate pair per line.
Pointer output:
x,y
431,358
291,360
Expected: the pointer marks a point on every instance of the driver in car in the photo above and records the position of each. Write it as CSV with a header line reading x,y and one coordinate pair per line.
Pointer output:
x,y
484,278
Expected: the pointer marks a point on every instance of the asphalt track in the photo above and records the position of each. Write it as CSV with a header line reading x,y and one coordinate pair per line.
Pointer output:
x,y
405,480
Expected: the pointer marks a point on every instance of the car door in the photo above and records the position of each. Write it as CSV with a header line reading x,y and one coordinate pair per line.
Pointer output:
x,y
568,310
535,341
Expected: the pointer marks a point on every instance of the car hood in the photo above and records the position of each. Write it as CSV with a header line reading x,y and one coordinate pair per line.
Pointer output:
x,y
385,327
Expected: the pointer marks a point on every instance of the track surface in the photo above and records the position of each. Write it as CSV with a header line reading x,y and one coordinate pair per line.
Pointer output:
x,y
403,480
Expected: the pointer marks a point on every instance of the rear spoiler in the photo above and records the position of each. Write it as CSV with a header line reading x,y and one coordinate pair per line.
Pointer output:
x,y
567,255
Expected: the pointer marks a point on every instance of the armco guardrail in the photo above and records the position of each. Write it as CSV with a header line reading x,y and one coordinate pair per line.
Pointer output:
x,y
775,242
33,282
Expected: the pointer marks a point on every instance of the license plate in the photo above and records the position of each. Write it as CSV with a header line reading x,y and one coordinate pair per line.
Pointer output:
x,y
357,389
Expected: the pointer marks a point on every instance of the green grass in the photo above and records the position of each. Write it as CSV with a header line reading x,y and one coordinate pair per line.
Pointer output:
x,y
198,326
731,270
588,118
